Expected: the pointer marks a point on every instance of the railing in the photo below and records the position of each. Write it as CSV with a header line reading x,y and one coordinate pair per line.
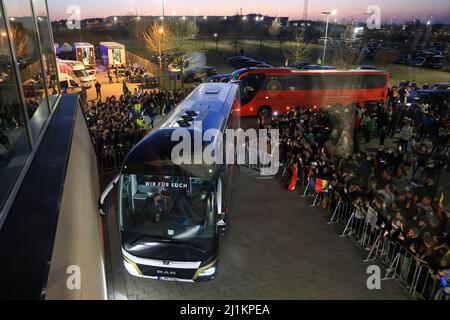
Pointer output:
x,y
111,161
147,64
400,263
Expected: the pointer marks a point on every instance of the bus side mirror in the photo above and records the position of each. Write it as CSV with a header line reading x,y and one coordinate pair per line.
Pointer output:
x,y
103,201
103,207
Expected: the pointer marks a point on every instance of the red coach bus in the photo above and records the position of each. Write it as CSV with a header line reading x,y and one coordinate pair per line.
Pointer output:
x,y
278,90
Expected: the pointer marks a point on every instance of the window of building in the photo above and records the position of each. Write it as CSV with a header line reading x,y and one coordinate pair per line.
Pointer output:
x,y
26,47
14,139
48,60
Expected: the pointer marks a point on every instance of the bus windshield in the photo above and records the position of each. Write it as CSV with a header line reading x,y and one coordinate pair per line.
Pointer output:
x,y
250,85
169,208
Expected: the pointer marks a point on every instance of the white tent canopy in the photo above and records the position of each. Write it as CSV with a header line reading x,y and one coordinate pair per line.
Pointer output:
x,y
66,48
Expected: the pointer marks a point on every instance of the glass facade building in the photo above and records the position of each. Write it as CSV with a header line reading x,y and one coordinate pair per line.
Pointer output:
x,y
29,88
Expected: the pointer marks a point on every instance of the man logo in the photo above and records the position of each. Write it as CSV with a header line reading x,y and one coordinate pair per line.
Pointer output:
x,y
74,279
374,19
374,280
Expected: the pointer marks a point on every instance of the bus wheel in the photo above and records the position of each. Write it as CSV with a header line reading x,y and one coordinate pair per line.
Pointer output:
x,y
265,111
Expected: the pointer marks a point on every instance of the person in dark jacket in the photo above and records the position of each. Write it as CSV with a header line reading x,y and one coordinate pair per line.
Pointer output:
x,y
154,209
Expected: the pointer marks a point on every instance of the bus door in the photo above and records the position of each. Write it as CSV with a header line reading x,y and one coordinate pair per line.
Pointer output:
x,y
250,85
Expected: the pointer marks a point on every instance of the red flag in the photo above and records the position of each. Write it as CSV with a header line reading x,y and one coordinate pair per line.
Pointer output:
x,y
293,183
321,185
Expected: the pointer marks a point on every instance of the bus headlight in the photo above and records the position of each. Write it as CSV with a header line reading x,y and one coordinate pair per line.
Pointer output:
x,y
131,268
208,272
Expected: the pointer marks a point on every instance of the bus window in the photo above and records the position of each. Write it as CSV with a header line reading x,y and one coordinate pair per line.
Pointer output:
x,y
374,81
250,85
174,208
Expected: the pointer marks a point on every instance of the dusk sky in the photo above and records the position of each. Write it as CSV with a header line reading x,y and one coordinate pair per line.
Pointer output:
x,y
435,10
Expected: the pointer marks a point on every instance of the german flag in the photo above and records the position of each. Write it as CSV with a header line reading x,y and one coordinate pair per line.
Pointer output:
x,y
321,185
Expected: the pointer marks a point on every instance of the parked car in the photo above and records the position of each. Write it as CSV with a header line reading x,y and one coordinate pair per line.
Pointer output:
x,y
199,74
429,96
404,59
141,77
440,86
69,84
328,68
232,59
436,62
311,67
240,63
317,67
264,65
418,61
299,64
253,63
366,67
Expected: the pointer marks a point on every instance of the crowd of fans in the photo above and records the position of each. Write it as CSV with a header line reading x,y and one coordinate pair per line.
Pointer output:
x,y
117,124
416,120
395,188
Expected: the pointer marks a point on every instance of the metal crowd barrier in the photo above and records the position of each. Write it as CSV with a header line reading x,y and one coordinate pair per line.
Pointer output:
x,y
110,162
401,264
428,286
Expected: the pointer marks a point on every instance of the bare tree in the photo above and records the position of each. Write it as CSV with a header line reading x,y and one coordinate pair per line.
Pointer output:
x,y
345,55
155,40
181,42
298,49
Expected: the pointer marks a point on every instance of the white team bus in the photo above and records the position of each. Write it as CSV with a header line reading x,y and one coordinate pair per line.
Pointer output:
x,y
171,216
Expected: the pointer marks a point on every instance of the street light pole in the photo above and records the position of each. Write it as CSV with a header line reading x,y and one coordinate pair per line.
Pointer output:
x,y
325,42
163,9
195,19
137,23
327,13
217,41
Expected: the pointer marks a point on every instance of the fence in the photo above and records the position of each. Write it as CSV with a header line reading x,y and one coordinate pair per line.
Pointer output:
x,y
111,161
164,78
400,263
147,64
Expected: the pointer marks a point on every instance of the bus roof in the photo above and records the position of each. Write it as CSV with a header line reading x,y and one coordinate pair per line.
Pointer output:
x,y
291,71
209,104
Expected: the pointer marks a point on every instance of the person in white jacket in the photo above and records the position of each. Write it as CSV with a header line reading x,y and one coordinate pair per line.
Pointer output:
x,y
405,134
